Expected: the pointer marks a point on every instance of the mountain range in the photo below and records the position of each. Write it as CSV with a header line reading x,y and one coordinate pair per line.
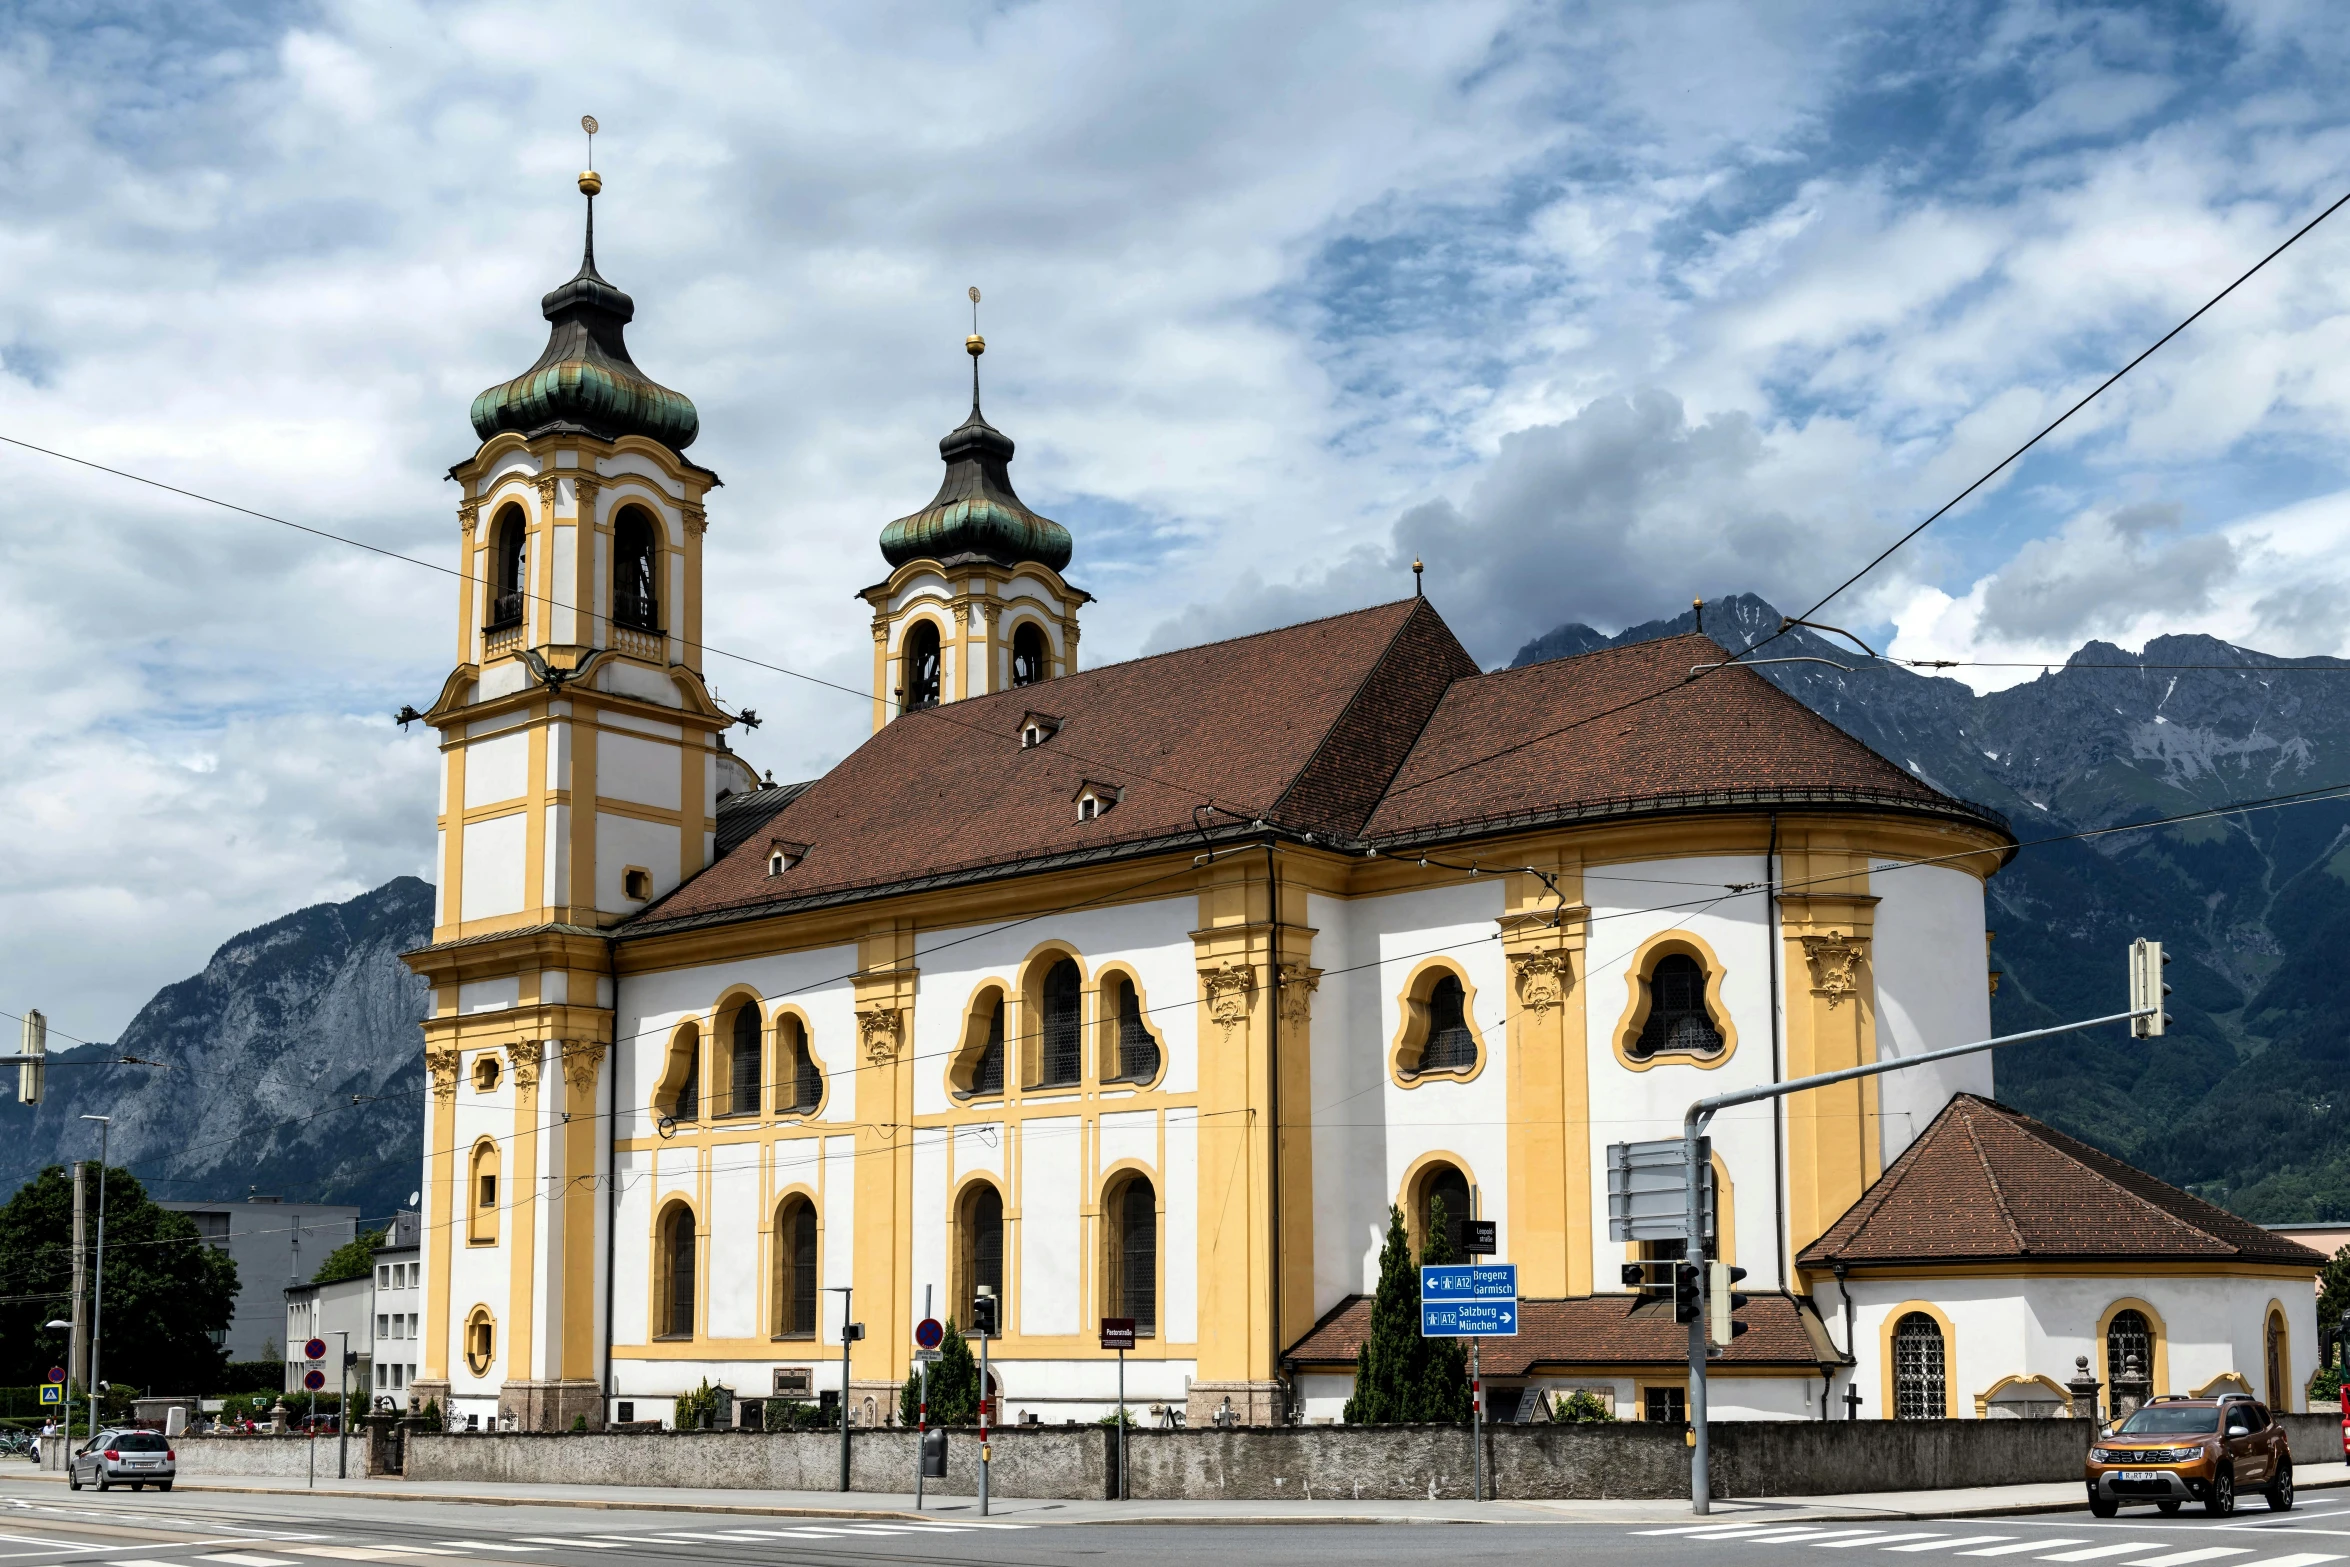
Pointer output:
x,y
291,1065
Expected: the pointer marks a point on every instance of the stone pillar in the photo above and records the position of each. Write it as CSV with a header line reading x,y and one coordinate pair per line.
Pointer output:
x,y
2083,1390
2132,1387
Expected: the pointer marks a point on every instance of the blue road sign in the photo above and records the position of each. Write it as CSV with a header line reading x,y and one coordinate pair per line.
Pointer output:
x,y
52,1392
1470,1281
1468,1319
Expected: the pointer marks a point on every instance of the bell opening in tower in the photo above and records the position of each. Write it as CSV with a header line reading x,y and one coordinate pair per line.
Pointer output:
x,y
636,601
922,666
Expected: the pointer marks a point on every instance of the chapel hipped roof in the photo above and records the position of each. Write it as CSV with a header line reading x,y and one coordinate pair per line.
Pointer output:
x,y
1985,1183
1372,728
584,381
1599,1330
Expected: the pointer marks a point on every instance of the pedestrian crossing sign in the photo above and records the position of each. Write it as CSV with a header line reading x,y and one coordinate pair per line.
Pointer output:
x,y
52,1392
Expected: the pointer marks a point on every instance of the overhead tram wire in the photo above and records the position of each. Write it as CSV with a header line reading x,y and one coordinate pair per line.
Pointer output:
x,y
2051,427
936,713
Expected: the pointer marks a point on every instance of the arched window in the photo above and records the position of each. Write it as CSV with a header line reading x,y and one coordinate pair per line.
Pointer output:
x,y
509,568
1437,1036
981,1068
681,1095
2273,1359
674,1278
1920,1383
799,1082
636,562
485,1073
1029,656
482,1193
921,665
795,1269
1678,1021
1134,1052
1057,1061
2129,1346
481,1341
1132,1236
1444,1203
980,1252
743,1079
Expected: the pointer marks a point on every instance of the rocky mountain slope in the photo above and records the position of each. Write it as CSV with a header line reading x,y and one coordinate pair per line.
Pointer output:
x,y
2239,1098
263,1055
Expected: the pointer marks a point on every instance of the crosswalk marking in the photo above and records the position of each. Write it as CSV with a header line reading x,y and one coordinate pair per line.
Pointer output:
x,y
1952,1545
591,1545
367,1553
2018,1550
1709,1531
1878,1539
492,1545
2100,1552
2304,1559
696,1538
2209,1553
234,1559
141,1561
1782,1534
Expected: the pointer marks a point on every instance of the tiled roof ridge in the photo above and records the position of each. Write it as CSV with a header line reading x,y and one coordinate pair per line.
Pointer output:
x,y
1030,692
1990,1171
1422,612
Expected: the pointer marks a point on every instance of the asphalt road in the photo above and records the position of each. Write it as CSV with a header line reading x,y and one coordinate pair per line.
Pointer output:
x,y
41,1525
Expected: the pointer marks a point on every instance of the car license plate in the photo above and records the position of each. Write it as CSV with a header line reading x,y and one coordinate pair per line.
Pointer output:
x,y
2138,1474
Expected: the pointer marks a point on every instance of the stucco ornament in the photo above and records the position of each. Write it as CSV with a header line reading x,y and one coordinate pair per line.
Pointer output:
x,y
524,1056
442,1062
1228,988
1298,984
468,518
1542,979
879,1029
1835,965
582,1063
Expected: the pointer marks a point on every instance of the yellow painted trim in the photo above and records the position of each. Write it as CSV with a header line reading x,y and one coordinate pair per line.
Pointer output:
x,y
1888,1405
1983,1399
782,1197
774,1043
1640,994
1106,1027
1028,1048
684,1036
1114,1179
2227,1381
484,1159
960,1285
961,1061
1411,1192
656,1275
1413,1024
479,1315
2156,1329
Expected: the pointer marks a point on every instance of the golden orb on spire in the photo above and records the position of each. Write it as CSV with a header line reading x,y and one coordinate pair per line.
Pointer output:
x,y
590,182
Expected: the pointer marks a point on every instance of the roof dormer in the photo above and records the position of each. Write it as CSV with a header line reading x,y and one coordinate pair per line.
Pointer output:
x,y
782,855
1036,729
1095,798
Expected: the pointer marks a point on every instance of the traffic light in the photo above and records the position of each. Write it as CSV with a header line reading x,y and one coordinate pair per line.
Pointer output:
x,y
1688,1292
983,1314
2147,961
28,1073
1720,1301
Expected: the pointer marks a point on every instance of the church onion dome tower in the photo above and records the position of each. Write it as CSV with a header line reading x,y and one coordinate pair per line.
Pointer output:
x,y
585,383
974,602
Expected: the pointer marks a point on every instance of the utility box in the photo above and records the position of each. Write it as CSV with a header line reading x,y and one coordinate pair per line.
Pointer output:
x,y
934,1454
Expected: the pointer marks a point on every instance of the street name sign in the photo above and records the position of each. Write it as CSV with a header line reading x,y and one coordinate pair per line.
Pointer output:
x,y
1117,1332
1480,1237
1648,1189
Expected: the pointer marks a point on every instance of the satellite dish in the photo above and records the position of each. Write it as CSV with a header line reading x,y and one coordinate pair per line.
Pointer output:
x,y
587,123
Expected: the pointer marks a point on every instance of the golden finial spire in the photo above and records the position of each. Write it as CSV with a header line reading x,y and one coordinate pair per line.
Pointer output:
x,y
974,345
590,182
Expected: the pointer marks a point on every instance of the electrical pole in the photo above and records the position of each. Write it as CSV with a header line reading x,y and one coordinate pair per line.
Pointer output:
x,y
78,1357
98,1268
343,1413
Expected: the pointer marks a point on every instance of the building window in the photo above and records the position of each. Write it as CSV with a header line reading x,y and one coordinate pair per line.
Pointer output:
x,y
743,1097
1678,1022
636,600
980,1246
1132,1243
383,1276
2274,1363
920,666
509,568
983,1046
481,1341
2129,1342
799,1081
1670,1404
795,1269
674,1280
485,1073
1029,657
636,884
1134,1050
1094,797
1443,1202
680,1098
1437,1037
383,1324
482,1223
1920,1387
1063,997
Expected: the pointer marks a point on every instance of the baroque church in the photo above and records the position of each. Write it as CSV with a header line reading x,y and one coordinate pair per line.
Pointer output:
x,y
1144,991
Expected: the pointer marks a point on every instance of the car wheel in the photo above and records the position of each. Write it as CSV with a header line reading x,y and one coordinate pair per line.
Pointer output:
x,y
104,1484
73,1477
2169,1509
2221,1501
2100,1507
163,1485
2280,1490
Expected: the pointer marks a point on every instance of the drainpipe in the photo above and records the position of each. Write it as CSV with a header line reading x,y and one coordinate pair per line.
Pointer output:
x,y
1778,1068
1841,1270
611,1185
1273,1090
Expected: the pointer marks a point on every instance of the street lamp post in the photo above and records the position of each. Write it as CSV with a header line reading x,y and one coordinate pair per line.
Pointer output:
x,y
98,1268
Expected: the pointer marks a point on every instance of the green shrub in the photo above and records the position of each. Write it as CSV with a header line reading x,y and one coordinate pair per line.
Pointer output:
x,y
1578,1408
692,1406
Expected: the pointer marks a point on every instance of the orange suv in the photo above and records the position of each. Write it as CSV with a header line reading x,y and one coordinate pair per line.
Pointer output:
x,y
2176,1450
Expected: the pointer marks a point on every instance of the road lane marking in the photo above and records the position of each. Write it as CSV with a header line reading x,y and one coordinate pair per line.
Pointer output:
x,y
2100,1552
2182,1558
590,1545
2018,1550
492,1545
2305,1559
235,1560
1952,1545
1710,1531
367,1553
1781,1534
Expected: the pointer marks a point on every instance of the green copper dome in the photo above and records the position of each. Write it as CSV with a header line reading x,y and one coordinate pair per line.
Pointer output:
x,y
976,511
585,380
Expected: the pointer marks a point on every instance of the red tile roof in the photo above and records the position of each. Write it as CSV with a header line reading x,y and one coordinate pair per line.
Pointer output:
x,y
1986,1183
1370,728
1598,1330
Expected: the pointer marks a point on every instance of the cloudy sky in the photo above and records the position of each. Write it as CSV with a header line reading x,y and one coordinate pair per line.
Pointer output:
x,y
1595,308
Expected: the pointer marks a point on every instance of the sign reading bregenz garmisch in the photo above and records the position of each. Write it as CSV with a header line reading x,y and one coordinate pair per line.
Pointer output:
x,y
1474,1300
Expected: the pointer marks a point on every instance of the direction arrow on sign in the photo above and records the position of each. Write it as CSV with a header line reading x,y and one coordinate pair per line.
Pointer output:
x,y
1472,1281
1468,1319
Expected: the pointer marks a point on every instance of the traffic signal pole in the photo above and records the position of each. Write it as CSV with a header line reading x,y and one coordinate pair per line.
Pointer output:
x,y
1701,1114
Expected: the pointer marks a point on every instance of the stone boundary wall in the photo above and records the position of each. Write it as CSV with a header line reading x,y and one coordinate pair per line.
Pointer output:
x,y
1044,1462
259,1453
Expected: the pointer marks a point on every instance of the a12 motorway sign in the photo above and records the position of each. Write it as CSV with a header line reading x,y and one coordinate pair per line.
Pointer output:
x,y
1476,1300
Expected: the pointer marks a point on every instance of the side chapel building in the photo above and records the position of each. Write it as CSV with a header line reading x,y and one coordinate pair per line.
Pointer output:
x,y
1143,991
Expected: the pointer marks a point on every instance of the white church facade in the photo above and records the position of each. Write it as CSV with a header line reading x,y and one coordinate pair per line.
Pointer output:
x,y
1145,990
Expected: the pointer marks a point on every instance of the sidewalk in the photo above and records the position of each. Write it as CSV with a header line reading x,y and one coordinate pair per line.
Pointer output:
x,y
882,1505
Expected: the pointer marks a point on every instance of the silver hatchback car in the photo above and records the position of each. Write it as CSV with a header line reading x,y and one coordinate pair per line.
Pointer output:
x,y
137,1459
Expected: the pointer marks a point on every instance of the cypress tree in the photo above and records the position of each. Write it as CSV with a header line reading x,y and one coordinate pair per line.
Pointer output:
x,y
1387,1366
1440,1381
954,1385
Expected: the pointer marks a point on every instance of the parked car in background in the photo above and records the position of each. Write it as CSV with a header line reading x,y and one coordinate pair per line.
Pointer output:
x,y
2176,1450
137,1459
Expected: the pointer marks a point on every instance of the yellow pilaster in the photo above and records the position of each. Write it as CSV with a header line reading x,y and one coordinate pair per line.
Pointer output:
x,y
522,1198
1826,920
1543,929
441,1215
884,1078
